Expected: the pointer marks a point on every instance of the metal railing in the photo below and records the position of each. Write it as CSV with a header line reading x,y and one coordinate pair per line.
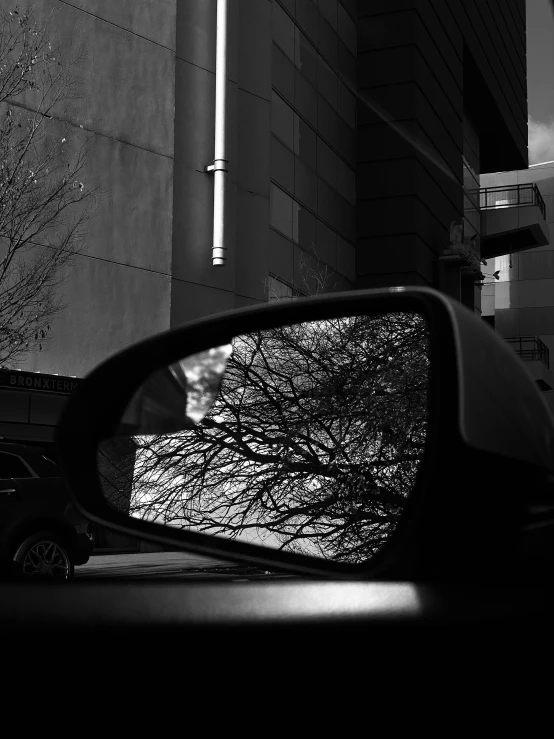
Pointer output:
x,y
511,196
530,348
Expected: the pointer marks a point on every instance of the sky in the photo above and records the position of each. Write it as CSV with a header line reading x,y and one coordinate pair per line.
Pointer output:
x,y
540,80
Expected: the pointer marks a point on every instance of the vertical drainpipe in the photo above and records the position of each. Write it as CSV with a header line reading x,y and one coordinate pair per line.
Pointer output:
x,y
219,167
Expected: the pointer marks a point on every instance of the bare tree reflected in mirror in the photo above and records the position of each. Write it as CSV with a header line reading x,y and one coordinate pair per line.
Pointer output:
x,y
312,444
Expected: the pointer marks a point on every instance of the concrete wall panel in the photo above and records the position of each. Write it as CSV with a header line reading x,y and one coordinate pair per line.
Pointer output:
x,y
108,308
346,259
501,220
191,301
127,81
383,255
499,179
252,245
536,293
195,37
536,321
407,177
508,322
418,125
243,302
194,116
325,245
507,295
134,220
407,64
254,49
535,265
400,216
487,300
254,126
118,291
280,260
153,19
193,233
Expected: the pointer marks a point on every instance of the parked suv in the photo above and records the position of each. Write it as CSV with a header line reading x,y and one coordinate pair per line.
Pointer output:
x,y
41,532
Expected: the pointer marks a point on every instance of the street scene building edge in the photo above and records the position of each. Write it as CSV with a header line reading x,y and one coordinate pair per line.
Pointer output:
x,y
357,134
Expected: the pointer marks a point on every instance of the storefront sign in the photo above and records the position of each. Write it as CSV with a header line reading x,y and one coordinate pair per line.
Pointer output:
x,y
18,379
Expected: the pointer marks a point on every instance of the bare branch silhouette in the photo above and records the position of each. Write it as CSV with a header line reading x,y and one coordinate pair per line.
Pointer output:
x,y
312,445
45,203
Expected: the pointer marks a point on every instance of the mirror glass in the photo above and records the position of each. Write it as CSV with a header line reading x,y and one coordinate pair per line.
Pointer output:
x,y
306,437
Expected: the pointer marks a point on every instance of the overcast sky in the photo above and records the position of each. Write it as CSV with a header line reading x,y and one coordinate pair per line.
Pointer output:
x,y
540,80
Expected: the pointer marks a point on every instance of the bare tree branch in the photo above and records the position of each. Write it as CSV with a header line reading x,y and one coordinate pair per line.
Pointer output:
x,y
313,441
45,203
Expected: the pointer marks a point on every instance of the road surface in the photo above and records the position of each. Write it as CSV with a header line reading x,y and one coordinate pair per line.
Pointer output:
x,y
167,564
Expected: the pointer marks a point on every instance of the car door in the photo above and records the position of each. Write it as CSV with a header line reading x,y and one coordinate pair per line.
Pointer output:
x,y
13,474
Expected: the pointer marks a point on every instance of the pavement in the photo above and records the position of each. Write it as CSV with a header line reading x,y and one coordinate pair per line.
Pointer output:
x,y
160,564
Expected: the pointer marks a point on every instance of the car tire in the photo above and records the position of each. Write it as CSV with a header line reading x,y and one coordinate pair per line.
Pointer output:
x,y
43,555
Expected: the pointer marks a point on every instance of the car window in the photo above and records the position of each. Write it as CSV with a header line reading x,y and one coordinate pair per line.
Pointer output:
x,y
12,466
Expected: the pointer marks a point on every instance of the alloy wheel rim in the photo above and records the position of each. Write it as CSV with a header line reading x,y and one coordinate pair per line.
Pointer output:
x,y
46,559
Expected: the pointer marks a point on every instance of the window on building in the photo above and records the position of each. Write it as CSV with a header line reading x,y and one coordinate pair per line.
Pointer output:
x,y
305,185
282,120
283,30
303,226
278,289
346,181
326,163
280,207
305,56
305,99
282,74
307,18
281,165
305,142
328,41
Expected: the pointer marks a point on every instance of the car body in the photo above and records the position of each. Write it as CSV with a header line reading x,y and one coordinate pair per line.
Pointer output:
x,y
38,521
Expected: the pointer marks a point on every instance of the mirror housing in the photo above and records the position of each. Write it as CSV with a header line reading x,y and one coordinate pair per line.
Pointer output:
x,y
484,495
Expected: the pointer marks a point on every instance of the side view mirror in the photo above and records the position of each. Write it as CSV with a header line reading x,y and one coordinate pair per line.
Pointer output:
x,y
383,433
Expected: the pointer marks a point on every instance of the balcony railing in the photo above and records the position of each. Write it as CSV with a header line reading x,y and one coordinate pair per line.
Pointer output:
x,y
511,196
531,348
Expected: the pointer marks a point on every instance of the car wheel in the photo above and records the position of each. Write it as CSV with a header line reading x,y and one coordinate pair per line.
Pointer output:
x,y
43,555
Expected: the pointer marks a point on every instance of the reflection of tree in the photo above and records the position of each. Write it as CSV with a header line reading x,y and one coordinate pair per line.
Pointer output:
x,y
115,464
313,442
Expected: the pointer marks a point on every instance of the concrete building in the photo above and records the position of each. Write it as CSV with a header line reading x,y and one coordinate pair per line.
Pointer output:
x,y
451,78
356,132
520,305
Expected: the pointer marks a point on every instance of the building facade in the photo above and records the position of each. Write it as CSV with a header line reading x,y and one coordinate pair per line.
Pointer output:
x,y
357,133
520,304
442,100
